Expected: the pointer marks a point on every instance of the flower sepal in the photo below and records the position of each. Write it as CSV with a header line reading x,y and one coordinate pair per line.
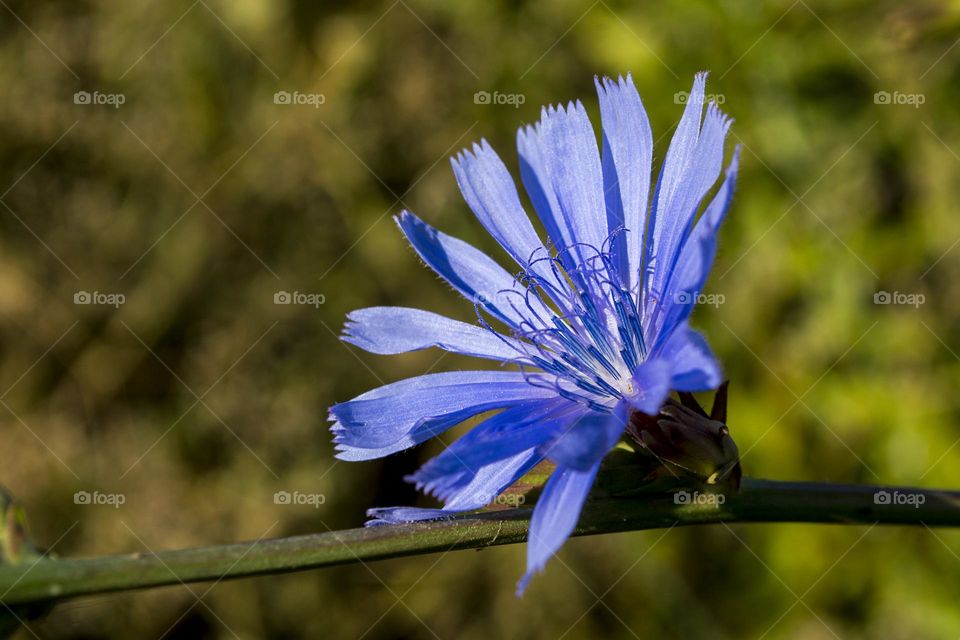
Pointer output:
x,y
683,440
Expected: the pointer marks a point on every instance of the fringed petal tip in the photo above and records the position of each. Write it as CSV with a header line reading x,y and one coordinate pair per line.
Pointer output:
x,y
715,112
443,488
471,153
606,84
403,414
439,488
551,112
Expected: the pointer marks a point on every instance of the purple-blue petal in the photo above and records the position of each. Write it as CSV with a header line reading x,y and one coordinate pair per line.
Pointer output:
x,y
483,487
490,481
403,414
391,330
651,384
555,517
536,182
473,273
696,258
693,365
568,163
404,515
514,430
491,193
681,154
627,160
588,438
690,169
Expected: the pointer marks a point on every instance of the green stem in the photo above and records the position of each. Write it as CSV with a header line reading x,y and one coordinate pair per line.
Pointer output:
x,y
758,501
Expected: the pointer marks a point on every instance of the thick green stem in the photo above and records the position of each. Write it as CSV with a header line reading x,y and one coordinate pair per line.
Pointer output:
x,y
757,501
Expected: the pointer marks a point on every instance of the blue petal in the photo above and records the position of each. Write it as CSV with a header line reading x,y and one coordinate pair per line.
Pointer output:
x,y
391,330
651,385
693,365
403,414
587,439
488,188
627,158
482,489
696,257
533,174
562,150
491,480
515,430
555,517
404,515
681,154
474,274
691,167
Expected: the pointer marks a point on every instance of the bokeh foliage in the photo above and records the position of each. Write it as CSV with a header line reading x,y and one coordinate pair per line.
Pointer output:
x,y
199,198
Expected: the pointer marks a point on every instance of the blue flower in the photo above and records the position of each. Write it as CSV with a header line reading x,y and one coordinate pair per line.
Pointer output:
x,y
592,328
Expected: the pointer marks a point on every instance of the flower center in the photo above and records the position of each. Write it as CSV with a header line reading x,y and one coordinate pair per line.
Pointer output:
x,y
582,327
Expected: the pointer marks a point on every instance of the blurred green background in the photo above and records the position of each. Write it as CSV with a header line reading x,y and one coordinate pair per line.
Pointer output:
x,y
199,198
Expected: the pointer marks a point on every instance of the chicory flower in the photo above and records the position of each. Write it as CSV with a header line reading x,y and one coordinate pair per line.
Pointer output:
x,y
589,326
